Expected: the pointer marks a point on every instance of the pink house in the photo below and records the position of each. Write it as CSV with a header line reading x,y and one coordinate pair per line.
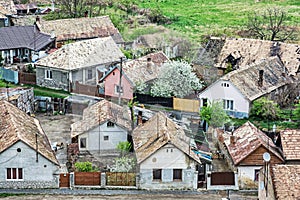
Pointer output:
x,y
134,72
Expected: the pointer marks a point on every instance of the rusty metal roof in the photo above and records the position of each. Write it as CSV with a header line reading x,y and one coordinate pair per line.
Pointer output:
x,y
246,79
100,113
157,132
81,28
290,140
248,138
16,125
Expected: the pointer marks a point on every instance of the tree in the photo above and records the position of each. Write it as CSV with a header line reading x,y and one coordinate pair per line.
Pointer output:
x,y
264,108
214,114
123,164
270,25
177,80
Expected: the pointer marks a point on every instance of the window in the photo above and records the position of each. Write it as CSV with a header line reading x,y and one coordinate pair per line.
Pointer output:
x,y
106,137
110,124
156,174
177,174
83,143
256,174
48,74
117,89
90,74
228,104
14,173
204,102
225,84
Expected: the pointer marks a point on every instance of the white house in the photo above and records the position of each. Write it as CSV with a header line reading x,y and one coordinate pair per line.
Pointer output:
x,y
102,127
26,157
239,88
164,155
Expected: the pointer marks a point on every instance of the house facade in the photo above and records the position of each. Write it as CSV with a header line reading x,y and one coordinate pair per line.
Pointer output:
x,y
27,160
164,156
102,127
239,88
79,62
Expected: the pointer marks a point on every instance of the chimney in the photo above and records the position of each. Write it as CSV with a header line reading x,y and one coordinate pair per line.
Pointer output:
x,y
260,78
232,140
149,64
37,19
140,118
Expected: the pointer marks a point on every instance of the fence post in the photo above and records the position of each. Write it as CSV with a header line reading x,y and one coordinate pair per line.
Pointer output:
x,y
72,180
103,179
137,180
208,180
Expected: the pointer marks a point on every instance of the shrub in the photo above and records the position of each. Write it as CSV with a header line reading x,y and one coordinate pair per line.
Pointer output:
x,y
84,166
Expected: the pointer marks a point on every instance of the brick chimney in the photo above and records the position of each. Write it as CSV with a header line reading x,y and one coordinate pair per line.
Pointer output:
x,y
140,118
232,140
260,78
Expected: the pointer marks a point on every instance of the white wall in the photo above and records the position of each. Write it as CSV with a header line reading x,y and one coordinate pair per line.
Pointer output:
x,y
218,92
247,171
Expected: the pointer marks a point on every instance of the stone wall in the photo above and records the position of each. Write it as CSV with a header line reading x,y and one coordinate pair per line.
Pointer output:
x,y
59,79
30,184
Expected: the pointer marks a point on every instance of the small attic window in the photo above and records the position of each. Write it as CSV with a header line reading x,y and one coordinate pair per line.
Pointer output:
x,y
110,124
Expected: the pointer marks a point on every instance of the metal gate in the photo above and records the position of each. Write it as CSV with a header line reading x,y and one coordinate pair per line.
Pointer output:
x,y
64,180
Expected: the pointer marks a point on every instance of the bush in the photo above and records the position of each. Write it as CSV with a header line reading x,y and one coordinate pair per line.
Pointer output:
x,y
84,166
263,108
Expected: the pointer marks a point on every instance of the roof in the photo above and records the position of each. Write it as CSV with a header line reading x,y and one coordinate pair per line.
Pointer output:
x,y
157,132
145,68
246,79
23,37
248,138
9,6
81,28
16,125
26,6
100,113
83,53
290,141
253,50
286,181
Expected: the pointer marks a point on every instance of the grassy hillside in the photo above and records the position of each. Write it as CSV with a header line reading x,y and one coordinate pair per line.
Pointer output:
x,y
217,17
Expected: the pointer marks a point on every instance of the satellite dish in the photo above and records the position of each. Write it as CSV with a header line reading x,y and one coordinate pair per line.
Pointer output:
x,y
266,157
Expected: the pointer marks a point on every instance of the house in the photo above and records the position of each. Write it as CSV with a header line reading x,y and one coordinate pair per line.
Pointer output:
x,y
289,141
79,62
102,127
134,72
75,29
26,9
165,157
239,88
244,149
279,182
23,44
7,10
26,157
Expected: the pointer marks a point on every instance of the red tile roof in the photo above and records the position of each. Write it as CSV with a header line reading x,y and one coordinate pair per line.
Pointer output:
x,y
290,140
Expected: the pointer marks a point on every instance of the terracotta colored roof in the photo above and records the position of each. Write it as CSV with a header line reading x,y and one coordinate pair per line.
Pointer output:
x,y
286,181
246,79
253,50
290,140
83,53
248,138
25,6
142,70
100,113
23,37
9,6
157,132
81,28
16,125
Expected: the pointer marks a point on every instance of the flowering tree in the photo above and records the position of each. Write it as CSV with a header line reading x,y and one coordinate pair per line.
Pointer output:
x,y
177,80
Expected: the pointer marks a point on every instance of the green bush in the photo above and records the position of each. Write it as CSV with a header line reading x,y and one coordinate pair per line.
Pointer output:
x,y
264,108
124,146
84,166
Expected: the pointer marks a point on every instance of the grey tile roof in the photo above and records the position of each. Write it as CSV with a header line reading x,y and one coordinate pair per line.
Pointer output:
x,y
16,125
82,54
23,37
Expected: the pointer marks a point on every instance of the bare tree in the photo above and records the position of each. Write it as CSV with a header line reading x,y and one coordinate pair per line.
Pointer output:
x,y
271,25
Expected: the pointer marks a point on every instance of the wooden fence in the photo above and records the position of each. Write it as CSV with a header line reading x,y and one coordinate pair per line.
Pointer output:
x,y
120,179
91,90
222,178
64,180
27,78
147,99
87,178
187,105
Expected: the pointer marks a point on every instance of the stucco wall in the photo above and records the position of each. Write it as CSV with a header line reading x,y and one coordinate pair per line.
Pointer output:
x,y
168,158
218,92
246,176
112,80
41,174
115,135
59,79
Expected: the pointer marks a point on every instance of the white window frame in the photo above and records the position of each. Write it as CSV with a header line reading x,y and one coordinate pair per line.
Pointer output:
x,y
17,174
48,74
117,89
228,104
89,74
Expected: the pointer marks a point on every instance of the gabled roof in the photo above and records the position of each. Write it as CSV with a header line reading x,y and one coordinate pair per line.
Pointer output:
x,y
100,113
246,79
286,181
26,6
16,125
145,68
82,54
253,50
8,6
290,141
14,37
81,28
248,138
157,132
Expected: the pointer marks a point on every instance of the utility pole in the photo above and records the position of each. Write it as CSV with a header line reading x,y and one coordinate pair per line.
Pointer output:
x,y
120,81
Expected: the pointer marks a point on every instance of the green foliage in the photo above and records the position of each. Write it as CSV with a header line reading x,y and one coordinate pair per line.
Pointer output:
x,y
123,164
124,146
263,108
297,113
228,68
84,166
127,53
214,114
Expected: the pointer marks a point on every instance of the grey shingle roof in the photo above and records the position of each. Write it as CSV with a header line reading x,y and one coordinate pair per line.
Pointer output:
x,y
14,37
